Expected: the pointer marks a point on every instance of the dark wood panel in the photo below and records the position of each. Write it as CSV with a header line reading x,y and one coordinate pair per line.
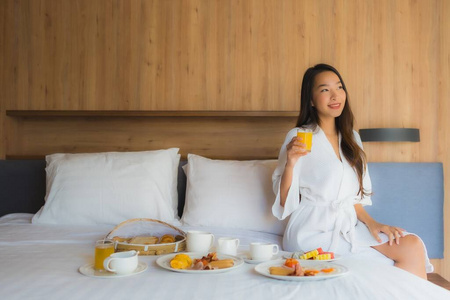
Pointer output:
x,y
145,113
214,137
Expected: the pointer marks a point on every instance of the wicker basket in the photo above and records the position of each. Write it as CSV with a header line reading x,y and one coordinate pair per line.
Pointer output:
x,y
148,227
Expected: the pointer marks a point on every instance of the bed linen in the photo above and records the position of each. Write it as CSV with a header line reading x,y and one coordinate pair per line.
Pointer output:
x,y
40,261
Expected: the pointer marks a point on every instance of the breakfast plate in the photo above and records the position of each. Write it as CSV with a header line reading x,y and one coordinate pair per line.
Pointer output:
x,y
88,270
289,255
164,262
339,270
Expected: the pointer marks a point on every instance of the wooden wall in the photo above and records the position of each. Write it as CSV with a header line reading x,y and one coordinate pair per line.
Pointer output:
x,y
94,75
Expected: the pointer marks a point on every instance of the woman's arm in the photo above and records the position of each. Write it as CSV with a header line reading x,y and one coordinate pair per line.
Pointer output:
x,y
285,184
375,228
294,150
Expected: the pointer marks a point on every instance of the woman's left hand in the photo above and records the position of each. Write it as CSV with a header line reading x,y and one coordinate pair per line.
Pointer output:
x,y
393,232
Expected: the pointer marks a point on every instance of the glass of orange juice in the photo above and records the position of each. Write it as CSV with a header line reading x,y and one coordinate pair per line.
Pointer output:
x,y
306,135
103,249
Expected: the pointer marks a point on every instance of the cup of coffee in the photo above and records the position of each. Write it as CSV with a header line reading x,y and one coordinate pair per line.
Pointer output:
x,y
199,241
103,249
227,245
122,263
263,251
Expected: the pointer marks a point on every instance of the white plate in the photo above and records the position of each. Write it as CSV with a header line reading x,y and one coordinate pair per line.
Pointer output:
x,y
164,262
336,257
88,270
340,270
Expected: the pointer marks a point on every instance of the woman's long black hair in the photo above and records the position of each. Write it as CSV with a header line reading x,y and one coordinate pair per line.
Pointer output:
x,y
344,123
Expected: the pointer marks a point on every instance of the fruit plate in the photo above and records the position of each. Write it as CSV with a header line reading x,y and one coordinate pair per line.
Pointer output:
x,y
336,257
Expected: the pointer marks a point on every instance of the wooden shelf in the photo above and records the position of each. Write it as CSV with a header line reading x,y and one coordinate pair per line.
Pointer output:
x,y
146,113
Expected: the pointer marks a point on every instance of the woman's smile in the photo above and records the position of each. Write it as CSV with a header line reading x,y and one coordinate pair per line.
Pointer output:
x,y
334,106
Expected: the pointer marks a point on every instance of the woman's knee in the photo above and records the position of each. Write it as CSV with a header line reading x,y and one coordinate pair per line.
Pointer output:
x,y
412,242
410,246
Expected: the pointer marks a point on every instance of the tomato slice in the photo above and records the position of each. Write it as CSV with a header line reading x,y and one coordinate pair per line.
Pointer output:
x,y
291,262
327,270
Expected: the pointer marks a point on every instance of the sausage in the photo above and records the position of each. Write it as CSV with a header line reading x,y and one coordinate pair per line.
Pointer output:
x,y
281,271
222,263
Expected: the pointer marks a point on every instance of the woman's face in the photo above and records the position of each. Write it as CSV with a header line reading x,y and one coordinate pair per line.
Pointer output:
x,y
328,95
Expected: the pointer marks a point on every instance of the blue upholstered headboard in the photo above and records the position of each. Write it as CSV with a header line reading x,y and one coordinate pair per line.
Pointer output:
x,y
409,195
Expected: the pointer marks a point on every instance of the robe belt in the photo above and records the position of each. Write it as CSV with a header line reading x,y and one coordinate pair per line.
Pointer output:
x,y
344,215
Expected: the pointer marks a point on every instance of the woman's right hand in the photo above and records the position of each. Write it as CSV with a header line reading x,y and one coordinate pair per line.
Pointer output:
x,y
294,150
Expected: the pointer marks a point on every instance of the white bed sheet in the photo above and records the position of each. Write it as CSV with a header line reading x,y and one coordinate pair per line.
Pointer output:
x,y
42,261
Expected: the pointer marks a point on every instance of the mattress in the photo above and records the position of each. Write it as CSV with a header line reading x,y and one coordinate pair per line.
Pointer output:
x,y
43,261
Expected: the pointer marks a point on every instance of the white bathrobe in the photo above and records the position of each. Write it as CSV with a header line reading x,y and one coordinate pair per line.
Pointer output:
x,y
325,217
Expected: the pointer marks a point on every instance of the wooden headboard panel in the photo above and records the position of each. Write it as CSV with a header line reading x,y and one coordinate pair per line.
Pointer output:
x,y
221,135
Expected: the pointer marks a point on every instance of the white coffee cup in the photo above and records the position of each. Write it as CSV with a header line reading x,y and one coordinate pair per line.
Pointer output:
x,y
122,263
227,245
263,251
199,241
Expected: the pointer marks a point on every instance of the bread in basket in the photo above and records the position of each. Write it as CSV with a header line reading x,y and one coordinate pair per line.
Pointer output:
x,y
148,236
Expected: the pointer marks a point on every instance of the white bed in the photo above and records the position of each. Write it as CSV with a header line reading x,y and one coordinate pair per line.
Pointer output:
x,y
88,195
42,262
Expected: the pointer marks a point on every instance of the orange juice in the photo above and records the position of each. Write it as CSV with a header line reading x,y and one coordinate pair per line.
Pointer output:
x,y
103,249
306,136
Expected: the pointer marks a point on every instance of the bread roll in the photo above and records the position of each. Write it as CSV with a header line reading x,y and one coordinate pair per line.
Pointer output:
x,y
167,238
144,240
120,239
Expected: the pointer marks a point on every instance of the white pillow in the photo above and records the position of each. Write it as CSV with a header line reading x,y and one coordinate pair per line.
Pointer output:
x,y
230,194
110,187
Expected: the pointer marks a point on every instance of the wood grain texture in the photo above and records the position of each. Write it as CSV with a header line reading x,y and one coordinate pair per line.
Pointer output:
x,y
149,113
221,55
442,121
4,75
213,137
439,280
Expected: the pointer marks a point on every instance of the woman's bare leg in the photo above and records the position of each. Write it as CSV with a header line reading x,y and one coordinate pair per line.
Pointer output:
x,y
409,255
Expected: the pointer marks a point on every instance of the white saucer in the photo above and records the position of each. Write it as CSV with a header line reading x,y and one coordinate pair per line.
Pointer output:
x,y
88,270
246,257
